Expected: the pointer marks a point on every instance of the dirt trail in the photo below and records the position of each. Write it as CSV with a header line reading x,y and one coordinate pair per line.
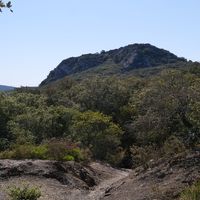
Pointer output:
x,y
116,177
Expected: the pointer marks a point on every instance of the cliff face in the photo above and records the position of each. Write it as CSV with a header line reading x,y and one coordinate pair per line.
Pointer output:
x,y
124,59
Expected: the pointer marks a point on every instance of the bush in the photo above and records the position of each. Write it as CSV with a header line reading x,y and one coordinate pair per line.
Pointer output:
x,y
60,150
139,156
173,146
57,150
68,158
24,193
116,159
63,150
76,153
4,143
25,152
6,155
191,193
22,152
39,152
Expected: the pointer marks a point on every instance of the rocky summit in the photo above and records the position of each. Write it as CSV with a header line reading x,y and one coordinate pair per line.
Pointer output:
x,y
124,59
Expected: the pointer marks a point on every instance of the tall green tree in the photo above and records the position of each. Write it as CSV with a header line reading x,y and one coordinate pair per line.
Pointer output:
x,y
97,131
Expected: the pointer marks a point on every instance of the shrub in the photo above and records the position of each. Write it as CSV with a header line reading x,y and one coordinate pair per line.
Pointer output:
x,y
116,159
6,155
63,150
173,146
22,152
191,193
60,150
76,153
25,152
139,156
39,152
57,150
68,158
24,193
4,143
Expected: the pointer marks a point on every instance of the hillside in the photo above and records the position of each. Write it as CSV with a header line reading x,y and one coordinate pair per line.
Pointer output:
x,y
118,61
163,180
6,88
143,116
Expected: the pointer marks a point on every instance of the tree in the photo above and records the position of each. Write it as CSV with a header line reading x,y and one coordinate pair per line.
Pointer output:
x,y
106,95
96,131
162,108
5,5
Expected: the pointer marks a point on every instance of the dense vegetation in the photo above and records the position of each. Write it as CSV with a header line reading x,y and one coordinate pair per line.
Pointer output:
x,y
125,120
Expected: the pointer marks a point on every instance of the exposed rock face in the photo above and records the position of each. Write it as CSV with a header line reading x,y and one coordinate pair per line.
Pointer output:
x,y
68,173
127,58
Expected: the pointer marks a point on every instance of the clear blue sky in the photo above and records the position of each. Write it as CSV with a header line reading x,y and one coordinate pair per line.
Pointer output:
x,y
41,33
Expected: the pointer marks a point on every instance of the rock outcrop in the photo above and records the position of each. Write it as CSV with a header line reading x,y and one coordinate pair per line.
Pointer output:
x,y
67,173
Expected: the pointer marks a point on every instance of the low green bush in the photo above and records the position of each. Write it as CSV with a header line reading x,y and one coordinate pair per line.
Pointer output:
x,y
40,152
19,152
76,153
24,193
191,193
6,154
60,150
68,158
173,146
63,150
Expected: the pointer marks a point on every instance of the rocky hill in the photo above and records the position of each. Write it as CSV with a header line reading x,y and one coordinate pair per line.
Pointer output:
x,y
124,59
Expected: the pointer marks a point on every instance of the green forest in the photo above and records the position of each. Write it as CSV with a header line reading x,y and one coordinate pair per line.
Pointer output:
x,y
123,120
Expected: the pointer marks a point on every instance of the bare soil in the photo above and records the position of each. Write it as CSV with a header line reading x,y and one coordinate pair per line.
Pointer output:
x,y
59,181
163,180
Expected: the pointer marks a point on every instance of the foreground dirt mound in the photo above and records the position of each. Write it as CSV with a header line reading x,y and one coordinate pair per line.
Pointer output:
x,y
164,180
59,181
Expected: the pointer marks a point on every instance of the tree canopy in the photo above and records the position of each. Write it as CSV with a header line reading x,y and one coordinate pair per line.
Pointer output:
x,y
5,5
124,120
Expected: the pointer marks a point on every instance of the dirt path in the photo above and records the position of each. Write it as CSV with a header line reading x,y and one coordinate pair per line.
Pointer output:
x,y
116,177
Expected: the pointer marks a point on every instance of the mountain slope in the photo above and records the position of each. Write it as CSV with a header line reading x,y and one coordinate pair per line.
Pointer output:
x,y
6,88
124,59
